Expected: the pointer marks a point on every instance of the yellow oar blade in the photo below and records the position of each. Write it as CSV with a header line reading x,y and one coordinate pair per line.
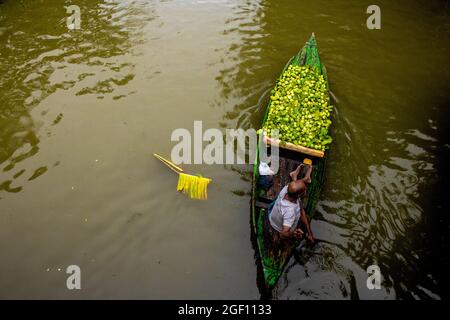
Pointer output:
x,y
196,187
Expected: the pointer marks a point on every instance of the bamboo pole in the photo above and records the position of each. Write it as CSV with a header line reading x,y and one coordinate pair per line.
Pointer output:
x,y
169,163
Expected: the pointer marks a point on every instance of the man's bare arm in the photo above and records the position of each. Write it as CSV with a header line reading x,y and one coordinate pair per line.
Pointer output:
x,y
294,174
305,222
286,233
307,178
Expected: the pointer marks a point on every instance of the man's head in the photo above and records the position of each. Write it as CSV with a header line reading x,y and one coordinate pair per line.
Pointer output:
x,y
296,188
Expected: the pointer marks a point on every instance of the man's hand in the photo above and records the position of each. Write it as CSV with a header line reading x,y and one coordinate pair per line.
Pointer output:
x,y
298,233
310,238
286,233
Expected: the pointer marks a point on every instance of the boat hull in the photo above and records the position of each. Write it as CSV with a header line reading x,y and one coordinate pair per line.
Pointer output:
x,y
272,258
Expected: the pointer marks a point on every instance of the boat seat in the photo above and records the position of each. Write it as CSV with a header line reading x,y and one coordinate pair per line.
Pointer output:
x,y
261,204
266,200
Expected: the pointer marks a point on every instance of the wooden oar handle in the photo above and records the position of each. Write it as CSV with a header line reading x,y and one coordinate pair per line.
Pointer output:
x,y
168,163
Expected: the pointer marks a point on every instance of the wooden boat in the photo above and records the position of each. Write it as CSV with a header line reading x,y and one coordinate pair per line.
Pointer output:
x,y
272,258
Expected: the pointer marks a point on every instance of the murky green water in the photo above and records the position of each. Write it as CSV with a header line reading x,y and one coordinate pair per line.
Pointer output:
x,y
82,111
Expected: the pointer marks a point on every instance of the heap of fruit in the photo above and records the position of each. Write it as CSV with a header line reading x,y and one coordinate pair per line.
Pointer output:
x,y
300,109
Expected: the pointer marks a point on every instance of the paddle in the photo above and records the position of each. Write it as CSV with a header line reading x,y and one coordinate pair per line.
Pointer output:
x,y
195,186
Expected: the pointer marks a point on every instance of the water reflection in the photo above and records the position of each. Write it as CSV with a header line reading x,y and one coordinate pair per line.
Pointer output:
x,y
40,57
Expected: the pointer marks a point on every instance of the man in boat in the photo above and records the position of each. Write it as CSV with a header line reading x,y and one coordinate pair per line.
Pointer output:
x,y
287,210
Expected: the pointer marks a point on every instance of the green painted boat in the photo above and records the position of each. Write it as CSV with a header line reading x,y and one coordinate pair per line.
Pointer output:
x,y
272,259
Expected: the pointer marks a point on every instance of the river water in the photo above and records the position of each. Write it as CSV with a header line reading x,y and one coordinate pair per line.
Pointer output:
x,y
82,111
